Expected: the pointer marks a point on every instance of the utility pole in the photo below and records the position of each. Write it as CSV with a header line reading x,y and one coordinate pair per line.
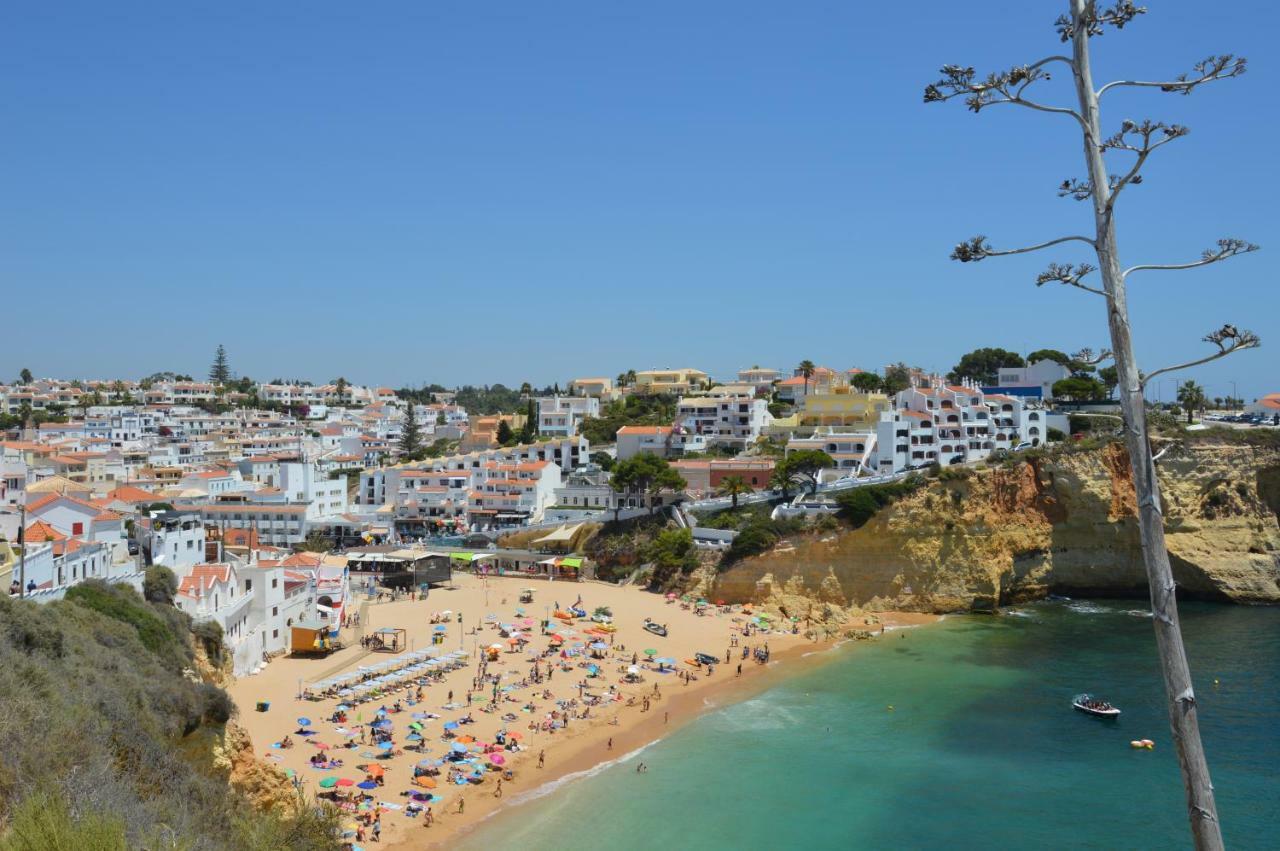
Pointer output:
x,y
22,554
1234,396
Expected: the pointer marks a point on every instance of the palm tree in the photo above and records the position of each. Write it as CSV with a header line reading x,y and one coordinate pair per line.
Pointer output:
x,y
806,369
526,390
1191,396
734,486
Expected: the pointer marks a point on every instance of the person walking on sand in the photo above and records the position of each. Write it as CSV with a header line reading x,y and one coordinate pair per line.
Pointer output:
x,y
497,792
462,802
427,817
666,716
542,758
739,669
609,746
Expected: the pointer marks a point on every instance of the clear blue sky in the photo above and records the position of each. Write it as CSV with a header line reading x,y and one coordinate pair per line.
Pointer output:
x,y
405,192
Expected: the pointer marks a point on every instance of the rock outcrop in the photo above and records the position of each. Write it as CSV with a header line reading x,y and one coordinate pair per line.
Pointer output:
x,y
264,785
1056,525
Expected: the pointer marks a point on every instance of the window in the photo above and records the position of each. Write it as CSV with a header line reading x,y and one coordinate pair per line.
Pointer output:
x,y
248,585
275,633
275,583
77,528
275,611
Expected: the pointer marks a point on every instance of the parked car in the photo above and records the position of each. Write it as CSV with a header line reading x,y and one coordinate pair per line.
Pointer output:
x,y
957,459
1021,446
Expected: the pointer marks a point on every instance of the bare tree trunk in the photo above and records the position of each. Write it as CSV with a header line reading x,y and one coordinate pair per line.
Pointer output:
x,y
1173,658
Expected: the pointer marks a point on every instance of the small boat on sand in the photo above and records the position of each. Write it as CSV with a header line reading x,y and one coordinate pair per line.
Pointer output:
x,y
1091,705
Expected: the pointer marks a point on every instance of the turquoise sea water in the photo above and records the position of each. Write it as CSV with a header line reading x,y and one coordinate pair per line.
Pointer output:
x,y
981,748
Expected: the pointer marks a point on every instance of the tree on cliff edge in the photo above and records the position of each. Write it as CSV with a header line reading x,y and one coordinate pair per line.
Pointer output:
x,y
1102,187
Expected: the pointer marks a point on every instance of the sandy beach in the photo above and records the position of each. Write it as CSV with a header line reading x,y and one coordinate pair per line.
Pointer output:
x,y
533,679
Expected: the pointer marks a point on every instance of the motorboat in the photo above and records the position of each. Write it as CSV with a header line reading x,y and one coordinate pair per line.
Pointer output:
x,y
1091,705
655,628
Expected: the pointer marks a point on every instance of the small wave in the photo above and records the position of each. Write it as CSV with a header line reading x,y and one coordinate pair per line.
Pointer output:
x,y
1138,613
1088,609
1017,613
551,786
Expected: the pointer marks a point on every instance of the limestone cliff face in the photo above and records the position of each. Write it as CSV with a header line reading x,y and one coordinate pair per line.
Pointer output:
x,y
1061,525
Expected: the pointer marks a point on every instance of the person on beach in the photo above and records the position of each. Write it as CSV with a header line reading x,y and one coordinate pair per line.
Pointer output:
x,y
666,716
609,746
641,768
739,669
462,802
497,792
542,758
427,817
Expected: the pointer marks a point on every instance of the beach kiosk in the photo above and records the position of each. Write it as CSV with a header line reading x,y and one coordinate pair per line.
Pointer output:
x,y
311,638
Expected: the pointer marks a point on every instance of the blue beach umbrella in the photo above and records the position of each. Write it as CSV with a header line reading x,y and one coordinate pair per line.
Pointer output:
x,y
386,746
304,722
459,747
413,737
367,784
451,725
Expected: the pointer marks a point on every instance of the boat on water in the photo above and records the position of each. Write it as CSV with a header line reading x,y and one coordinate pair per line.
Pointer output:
x,y
1091,705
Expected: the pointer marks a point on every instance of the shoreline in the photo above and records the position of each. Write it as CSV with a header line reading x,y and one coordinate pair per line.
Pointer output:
x,y
585,752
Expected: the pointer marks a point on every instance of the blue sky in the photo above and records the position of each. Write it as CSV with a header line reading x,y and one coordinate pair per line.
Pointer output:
x,y
406,192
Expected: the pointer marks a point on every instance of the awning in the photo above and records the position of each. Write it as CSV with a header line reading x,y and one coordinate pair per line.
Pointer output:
x,y
563,535
571,561
470,557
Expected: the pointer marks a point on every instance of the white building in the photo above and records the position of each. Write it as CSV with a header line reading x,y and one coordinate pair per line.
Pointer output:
x,y
663,441
735,421
1035,380
563,415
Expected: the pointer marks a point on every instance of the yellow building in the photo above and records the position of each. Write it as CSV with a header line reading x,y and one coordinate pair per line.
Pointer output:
x,y
842,409
676,381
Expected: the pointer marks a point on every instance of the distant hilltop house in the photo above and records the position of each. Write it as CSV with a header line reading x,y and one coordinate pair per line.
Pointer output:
x,y
678,382
1033,381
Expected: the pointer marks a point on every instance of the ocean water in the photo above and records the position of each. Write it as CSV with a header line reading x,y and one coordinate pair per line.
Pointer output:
x,y
980,748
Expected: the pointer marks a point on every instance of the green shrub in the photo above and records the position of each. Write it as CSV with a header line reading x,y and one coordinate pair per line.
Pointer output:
x,y
122,603
159,585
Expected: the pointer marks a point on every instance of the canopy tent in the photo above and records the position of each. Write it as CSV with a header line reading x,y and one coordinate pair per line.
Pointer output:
x,y
561,538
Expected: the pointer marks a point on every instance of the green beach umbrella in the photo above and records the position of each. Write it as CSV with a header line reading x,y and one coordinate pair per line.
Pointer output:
x,y
328,783
651,652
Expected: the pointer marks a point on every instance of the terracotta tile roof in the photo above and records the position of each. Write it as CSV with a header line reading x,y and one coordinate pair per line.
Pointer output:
x,y
40,532
645,430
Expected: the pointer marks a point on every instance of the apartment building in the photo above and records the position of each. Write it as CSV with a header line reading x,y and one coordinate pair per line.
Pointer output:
x,y
733,421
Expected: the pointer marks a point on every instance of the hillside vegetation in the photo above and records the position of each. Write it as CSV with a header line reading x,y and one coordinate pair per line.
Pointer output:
x,y
105,731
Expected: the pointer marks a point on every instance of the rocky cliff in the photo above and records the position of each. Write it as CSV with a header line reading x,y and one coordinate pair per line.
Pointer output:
x,y
1061,524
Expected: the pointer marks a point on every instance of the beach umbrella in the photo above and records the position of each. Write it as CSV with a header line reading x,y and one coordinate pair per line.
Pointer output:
x,y
375,770
416,725
497,758
321,745
413,737
466,740
441,628
632,669
425,782
342,707
386,746
459,748
451,725
515,735
599,645
651,652
328,782
346,781
367,784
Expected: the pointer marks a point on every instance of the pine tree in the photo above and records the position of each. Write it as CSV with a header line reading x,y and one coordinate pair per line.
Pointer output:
x,y
410,436
220,373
